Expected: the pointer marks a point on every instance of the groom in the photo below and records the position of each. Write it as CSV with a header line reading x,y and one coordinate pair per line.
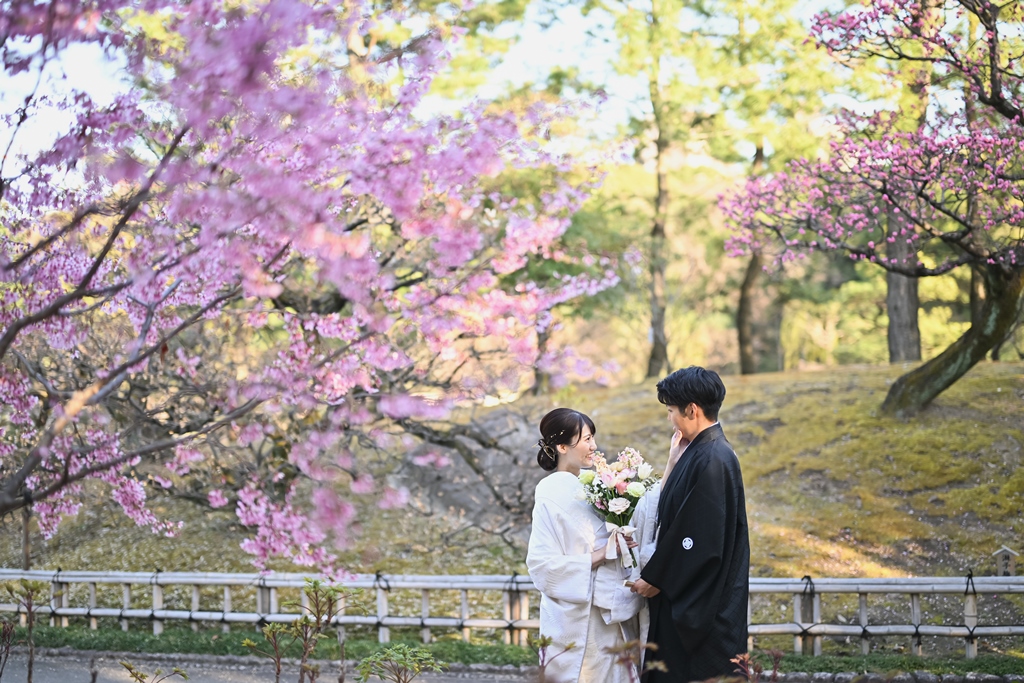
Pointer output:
x,y
697,579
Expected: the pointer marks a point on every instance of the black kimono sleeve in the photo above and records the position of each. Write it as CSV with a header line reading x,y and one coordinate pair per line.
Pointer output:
x,y
689,564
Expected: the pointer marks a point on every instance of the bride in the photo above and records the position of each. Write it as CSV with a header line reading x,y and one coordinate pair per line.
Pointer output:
x,y
566,551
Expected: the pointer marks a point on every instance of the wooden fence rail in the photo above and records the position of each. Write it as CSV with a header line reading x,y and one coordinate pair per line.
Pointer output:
x,y
807,627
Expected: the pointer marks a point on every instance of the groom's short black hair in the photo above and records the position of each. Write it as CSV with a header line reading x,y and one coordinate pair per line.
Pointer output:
x,y
693,385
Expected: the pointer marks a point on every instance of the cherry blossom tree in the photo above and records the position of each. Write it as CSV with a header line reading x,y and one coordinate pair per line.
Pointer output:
x,y
924,199
260,258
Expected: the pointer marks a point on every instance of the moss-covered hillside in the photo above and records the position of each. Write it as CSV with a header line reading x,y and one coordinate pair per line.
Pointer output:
x,y
833,488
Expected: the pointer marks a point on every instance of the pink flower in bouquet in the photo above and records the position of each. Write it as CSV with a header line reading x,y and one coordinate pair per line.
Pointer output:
x,y
599,504
608,479
620,487
631,457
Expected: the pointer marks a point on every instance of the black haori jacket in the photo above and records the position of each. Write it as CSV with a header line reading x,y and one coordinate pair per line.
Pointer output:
x,y
701,565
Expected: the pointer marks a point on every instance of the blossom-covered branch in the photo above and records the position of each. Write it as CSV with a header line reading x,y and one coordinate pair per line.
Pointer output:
x,y
919,194
253,263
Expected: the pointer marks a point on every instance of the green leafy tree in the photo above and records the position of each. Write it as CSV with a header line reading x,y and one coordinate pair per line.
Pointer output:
x,y
770,88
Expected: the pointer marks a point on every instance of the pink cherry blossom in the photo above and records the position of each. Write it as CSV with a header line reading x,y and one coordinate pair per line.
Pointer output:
x,y
239,175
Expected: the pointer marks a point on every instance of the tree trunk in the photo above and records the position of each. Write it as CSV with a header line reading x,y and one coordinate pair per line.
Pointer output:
x,y
745,308
745,315
26,538
901,301
658,361
915,390
541,379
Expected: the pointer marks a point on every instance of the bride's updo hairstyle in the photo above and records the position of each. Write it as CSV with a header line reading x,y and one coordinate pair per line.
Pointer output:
x,y
560,427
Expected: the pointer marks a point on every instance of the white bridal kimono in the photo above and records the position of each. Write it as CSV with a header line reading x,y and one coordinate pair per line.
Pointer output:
x,y
565,533
645,521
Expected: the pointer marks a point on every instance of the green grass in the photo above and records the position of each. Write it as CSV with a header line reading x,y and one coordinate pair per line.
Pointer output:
x,y
999,665
207,642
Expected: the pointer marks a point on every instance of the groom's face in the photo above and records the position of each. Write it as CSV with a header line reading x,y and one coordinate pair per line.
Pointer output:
x,y
683,420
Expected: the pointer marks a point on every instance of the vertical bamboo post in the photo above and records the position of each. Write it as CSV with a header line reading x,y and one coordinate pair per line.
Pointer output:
x,y
464,613
225,627
517,614
971,621
342,604
262,600
92,605
262,604
126,602
383,632
272,594
54,604
195,608
524,610
506,614
865,643
424,613
750,620
158,603
798,615
62,598
916,648
816,619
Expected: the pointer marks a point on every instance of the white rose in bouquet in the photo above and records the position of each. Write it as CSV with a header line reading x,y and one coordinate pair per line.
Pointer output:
x,y
644,470
618,505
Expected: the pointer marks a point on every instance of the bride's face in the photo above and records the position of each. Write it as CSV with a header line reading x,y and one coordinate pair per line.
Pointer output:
x,y
573,458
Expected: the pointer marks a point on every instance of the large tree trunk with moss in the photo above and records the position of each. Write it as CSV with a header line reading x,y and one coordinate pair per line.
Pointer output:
x,y
915,390
658,361
745,315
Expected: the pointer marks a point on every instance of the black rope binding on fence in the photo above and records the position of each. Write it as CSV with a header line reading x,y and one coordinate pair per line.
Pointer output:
x,y
970,589
970,583
152,582
805,631
266,608
381,581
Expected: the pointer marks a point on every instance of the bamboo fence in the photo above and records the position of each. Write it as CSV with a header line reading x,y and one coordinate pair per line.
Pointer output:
x,y
806,595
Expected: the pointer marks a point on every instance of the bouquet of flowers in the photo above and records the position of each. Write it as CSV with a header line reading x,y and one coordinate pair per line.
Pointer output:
x,y
614,489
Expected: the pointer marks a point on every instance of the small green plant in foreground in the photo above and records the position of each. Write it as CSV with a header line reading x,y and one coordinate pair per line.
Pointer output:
x,y
158,676
398,664
27,594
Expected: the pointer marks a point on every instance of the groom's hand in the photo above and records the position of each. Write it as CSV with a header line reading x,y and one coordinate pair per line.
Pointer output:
x,y
645,589
679,444
675,450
